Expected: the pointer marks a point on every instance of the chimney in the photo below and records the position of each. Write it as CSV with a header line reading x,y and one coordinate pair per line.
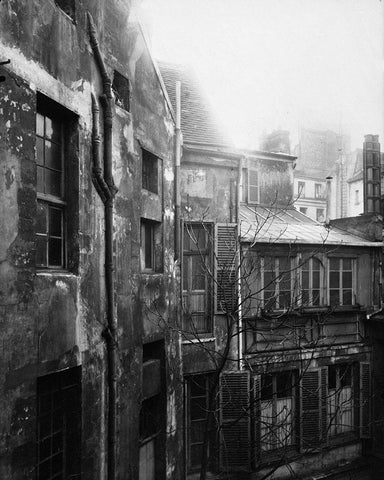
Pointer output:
x,y
276,142
372,174
328,190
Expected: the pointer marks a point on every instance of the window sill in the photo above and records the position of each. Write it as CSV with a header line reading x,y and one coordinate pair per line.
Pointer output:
x,y
59,273
198,338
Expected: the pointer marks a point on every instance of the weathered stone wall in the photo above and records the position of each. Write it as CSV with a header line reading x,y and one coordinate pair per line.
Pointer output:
x,y
54,320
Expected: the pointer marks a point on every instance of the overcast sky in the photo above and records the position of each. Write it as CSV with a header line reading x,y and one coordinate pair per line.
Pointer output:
x,y
270,64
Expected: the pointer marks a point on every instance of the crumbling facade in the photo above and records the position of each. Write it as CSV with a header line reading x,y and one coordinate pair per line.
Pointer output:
x,y
90,378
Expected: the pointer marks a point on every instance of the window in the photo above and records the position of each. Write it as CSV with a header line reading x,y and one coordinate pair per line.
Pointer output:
x,y
121,89
310,282
253,186
196,259
150,246
59,425
277,411
318,190
57,186
320,214
357,197
341,281
277,282
150,172
301,189
197,390
67,6
303,210
152,413
340,399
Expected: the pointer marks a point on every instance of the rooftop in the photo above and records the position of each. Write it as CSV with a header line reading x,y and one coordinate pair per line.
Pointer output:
x,y
288,226
198,122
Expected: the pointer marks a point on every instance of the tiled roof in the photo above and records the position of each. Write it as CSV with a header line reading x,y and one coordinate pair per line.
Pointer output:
x,y
198,123
287,225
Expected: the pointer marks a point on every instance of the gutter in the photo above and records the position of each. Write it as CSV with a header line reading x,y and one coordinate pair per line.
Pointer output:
x,y
107,190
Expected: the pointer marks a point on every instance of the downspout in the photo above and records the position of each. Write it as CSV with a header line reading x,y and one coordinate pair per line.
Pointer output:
x,y
107,191
239,299
177,170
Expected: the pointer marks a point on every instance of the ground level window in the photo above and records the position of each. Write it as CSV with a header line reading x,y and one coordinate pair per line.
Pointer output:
x,y
59,425
277,411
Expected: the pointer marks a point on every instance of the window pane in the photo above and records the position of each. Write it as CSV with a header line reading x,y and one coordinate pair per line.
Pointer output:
x,y
334,297
39,124
41,218
198,276
347,279
198,408
253,194
283,384
148,244
52,155
347,264
347,297
196,455
52,129
185,272
197,431
266,387
55,218
315,297
334,279
197,386
331,377
39,151
41,251
345,375
55,249
334,263
53,182
316,280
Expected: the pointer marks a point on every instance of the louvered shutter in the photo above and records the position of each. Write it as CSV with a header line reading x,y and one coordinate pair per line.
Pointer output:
x,y
310,409
256,397
226,267
365,400
323,405
235,444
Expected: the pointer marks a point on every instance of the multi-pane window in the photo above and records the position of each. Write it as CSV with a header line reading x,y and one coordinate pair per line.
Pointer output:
x,y
277,411
59,425
253,186
320,214
150,171
277,282
51,206
318,190
341,273
197,387
310,282
196,258
340,399
150,246
301,189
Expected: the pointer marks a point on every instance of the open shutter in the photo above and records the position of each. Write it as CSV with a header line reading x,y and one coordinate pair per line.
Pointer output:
x,y
235,438
256,397
310,409
226,267
365,400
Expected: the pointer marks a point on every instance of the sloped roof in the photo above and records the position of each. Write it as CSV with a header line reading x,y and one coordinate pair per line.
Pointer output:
x,y
198,122
288,226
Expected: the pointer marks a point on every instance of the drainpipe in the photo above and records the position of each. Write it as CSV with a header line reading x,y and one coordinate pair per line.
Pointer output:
x,y
107,190
177,170
239,299
328,195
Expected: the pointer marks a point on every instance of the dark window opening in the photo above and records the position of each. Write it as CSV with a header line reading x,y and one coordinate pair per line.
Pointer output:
x,y
121,89
151,246
59,425
150,172
67,6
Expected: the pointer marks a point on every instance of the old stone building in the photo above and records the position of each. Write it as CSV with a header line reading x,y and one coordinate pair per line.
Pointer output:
x,y
276,357
90,378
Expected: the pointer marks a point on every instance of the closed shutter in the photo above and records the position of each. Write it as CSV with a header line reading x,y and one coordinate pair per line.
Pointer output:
x,y
226,267
235,444
310,409
257,416
324,401
365,400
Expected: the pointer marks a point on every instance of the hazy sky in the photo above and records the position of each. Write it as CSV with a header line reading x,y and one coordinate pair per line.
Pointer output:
x,y
270,64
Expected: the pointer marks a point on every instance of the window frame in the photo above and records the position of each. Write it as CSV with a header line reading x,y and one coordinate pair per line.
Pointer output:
x,y
155,244
301,189
150,166
318,190
311,288
253,171
204,255
353,288
337,426
277,272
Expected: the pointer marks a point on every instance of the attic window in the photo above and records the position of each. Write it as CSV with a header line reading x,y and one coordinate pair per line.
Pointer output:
x,y
122,91
67,6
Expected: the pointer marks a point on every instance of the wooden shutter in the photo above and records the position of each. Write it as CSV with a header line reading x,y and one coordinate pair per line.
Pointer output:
x,y
310,409
365,400
256,397
235,415
323,405
226,267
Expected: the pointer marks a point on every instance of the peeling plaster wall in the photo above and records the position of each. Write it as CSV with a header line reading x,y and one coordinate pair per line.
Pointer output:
x,y
52,321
